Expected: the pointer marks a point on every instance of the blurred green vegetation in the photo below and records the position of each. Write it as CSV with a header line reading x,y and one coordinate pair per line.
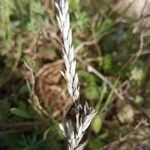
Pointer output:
x,y
101,40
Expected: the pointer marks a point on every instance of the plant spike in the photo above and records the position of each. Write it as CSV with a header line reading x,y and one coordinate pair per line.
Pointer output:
x,y
75,134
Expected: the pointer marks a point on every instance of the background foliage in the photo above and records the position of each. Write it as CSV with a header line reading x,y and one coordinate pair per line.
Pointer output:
x,y
103,40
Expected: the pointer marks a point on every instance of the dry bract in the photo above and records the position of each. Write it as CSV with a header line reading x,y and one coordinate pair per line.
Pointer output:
x,y
50,89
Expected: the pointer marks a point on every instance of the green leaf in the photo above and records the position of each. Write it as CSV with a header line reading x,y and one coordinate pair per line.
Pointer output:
x,y
45,134
107,63
37,8
97,124
95,144
20,113
91,89
137,74
87,77
74,5
105,26
91,92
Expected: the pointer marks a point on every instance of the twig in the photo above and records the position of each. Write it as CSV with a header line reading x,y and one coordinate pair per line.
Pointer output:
x,y
141,46
21,126
138,127
35,101
102,77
